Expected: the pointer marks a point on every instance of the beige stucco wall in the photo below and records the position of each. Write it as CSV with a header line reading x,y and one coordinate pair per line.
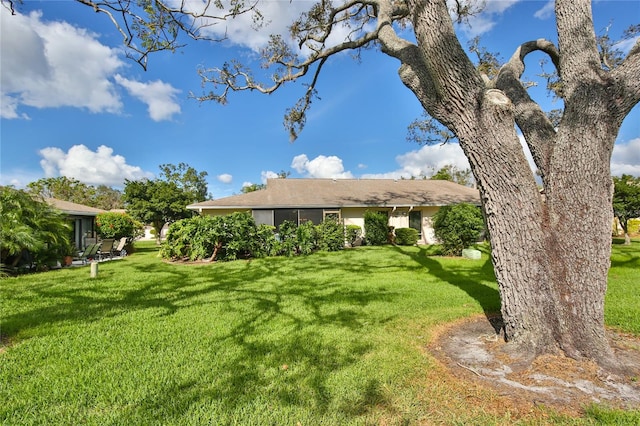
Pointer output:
x,y
398,218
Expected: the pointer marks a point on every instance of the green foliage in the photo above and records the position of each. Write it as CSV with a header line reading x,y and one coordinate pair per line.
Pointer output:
x,y
352,234
117,225
376,228
267,243
307,235
457,227
253,187
226,237
236,236
192,184
406,236
626,199
453,174
162,201
287,235
69,189
32,233
330,235
155,202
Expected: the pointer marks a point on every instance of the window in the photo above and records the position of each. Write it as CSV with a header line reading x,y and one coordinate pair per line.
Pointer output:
x,y
415,221
263,217
332,214
310,215
280,215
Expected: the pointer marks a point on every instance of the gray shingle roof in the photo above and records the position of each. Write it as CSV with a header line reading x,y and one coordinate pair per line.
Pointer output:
x,y
328,193
73,208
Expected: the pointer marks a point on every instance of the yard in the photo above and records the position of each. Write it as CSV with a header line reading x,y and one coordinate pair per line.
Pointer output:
x,y
331,338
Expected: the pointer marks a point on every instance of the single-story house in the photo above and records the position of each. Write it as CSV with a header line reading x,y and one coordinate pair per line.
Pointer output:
x,y
408,203
83,219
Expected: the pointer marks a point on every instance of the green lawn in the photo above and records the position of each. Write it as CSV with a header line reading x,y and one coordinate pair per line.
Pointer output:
x,y
332,338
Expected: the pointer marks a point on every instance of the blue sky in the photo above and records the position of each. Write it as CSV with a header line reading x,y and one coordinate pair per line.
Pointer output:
x,y
73,105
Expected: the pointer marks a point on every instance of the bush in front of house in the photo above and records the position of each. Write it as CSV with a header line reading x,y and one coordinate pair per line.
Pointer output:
x,y
352,234
117,225
330,235
267,242
376,228
236,236
457,227
406,236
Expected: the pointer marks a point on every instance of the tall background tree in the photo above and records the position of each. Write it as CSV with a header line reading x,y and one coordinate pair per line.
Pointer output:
x,y
164,200
454,174
552,280
626,201
70,189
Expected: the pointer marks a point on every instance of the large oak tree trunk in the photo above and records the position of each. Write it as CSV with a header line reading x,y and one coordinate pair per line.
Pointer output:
x,y
550,248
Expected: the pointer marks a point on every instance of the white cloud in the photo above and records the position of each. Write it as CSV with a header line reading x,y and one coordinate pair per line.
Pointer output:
x,y
483,22
320,167
101,167
546,11
626,45
225,178
54,64
625,158
425,162
278,15
160,97
264,175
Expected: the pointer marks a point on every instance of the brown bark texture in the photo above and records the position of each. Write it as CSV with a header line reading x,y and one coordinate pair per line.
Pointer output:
x,y
551,246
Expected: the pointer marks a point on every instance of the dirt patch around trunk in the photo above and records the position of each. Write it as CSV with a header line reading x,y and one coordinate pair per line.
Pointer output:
x,y
472,351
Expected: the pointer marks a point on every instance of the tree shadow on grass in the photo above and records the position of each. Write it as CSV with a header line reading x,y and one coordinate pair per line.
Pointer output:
x,y
469,278
282,331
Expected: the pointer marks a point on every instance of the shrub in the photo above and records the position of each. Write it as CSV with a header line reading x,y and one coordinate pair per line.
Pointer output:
x,y
330,235
307,238
457,227
212,237
406,236
288,238
241,236
353,233
376,228
118,225
268,244
32,233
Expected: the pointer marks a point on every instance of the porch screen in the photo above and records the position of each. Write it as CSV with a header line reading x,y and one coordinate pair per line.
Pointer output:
x,y
415,221
280,215
310,215
263,217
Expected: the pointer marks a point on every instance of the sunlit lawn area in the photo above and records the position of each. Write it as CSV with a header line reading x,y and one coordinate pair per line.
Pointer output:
x,y
331,338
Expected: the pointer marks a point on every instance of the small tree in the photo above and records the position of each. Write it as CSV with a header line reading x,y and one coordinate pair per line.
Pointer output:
x,y
376,228
626,202
117,225
457,227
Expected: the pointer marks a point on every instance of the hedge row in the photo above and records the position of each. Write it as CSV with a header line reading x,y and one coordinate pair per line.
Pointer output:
x,y
236,236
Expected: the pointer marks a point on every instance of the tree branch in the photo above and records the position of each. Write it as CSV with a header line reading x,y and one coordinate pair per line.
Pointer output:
x,y
580,60
627,75
532,121
149,26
